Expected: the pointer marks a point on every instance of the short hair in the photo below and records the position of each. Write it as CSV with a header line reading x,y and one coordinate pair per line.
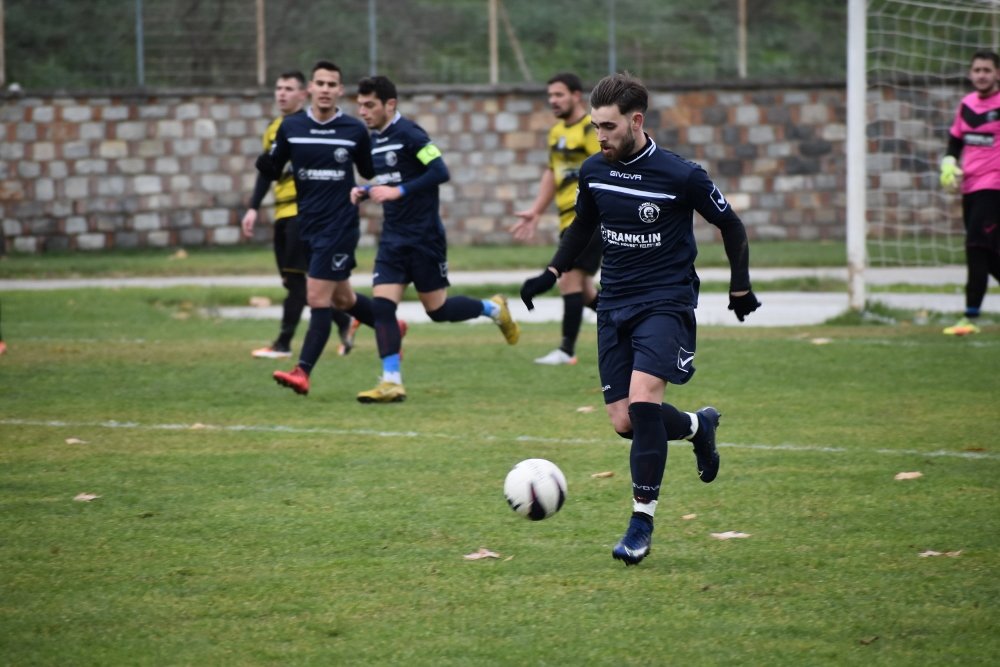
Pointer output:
x,y
570,80
294,74
327,65
986,54
383,88
622,90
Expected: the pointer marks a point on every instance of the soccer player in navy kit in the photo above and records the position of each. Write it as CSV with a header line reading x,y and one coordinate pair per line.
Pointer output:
x,y
643,199
323,145
291,254
413,246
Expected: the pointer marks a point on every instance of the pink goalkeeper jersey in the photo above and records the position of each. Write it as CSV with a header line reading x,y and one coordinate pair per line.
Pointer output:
x,y
977,124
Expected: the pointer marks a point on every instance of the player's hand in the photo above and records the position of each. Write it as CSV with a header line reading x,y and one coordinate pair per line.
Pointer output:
x,y
743,303
525,228
384,193
541,283
950,172
265,165
248,221
358,194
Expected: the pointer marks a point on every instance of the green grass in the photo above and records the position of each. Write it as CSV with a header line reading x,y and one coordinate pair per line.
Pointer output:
x,y
240,524
247,260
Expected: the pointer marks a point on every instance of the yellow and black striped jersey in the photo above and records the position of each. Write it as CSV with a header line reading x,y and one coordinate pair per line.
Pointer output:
x,y
569,146
284,188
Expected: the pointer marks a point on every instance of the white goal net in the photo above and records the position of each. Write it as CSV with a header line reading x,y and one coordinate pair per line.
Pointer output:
x,y
918,54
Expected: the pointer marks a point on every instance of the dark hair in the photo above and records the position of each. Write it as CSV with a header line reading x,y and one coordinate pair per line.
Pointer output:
x,y
294,74
570,80
327,65
622,90
383,88
986,54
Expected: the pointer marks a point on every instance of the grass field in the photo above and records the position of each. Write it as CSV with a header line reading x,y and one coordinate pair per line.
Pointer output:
x,y
240,524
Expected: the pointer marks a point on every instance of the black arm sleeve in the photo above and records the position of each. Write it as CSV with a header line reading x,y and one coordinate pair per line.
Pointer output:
x,y
574,240
435,174
954,146
259,191
734,239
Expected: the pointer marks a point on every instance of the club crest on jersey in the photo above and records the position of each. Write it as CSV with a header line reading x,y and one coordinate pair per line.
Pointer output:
x,y
341,155
649,212
391,159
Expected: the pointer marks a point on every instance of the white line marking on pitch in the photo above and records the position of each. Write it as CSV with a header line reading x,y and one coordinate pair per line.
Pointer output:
x,y
237,428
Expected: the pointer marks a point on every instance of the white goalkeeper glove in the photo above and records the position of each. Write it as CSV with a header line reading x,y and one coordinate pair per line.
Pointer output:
x,y
950,172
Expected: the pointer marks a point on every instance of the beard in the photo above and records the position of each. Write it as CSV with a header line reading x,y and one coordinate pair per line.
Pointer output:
x,y
626,148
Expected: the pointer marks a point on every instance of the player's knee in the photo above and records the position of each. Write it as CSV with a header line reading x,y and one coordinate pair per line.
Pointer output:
x,y
383,309
438,315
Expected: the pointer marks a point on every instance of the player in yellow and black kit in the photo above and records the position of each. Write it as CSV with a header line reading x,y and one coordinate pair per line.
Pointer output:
x,y
571,141
289,251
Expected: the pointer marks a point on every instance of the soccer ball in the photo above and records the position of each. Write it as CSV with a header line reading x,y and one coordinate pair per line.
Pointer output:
x,y
535,489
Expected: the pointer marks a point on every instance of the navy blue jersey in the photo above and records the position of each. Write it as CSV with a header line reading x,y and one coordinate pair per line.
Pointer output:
x,y
323,156
402,154
645,208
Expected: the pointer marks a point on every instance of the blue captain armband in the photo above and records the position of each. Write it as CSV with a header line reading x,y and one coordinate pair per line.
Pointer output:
x,y
402,190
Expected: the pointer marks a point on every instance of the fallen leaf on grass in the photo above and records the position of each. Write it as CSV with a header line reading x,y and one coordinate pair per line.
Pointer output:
x,y
75,441
482,553
585,408
949,554
908,475
821,341
602,475
688,517
85,497
260,302
867,640
180,254
730,535
197,426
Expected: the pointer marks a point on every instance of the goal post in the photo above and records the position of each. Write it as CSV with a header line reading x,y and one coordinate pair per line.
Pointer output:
x,y
907,62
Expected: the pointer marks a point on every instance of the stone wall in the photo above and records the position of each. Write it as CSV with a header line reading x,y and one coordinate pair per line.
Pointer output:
x,y
93,171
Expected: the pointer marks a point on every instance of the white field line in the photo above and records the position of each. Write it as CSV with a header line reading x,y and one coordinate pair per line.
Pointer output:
x,y
292,430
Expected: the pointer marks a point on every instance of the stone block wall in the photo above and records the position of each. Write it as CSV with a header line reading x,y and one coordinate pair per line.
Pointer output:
x,y
92,171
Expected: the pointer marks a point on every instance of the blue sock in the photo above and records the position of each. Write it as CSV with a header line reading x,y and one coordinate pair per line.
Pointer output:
x,y
320,324
648,457
490,309
457,309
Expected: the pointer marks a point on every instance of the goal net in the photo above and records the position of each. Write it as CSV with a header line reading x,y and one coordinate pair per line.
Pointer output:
x,y
918,55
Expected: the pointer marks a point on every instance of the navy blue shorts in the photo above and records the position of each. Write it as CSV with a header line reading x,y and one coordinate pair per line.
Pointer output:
x,y
332,262
425,265
290,251
654,338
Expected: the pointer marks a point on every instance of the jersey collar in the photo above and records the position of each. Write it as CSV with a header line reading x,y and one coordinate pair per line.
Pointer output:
x,y
332,118
648,150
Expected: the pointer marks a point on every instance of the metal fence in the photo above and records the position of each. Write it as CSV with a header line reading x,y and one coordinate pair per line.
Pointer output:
x,y
72,45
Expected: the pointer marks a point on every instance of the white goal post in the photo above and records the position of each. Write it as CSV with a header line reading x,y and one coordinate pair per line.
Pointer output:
x,y
906,72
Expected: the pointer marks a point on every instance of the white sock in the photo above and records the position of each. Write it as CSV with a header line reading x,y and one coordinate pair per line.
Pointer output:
x,y
394,377
646,508
694,424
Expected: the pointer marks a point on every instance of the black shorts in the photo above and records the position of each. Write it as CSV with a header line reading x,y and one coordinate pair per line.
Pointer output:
x,y
981,214
290,252
654,338
425,265
333,262
589,261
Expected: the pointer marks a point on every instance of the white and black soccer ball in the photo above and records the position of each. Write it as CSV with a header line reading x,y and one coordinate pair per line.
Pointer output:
x,y
535,489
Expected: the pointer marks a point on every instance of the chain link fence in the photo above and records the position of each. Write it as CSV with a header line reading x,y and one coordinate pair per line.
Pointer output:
x,y
242,43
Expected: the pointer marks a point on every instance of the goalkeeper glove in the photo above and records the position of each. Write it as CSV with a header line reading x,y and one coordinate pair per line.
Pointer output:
x,y
532,287
743,305
265,165
950,172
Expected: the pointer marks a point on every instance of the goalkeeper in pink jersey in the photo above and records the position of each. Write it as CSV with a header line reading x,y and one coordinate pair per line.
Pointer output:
x,y
975,137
